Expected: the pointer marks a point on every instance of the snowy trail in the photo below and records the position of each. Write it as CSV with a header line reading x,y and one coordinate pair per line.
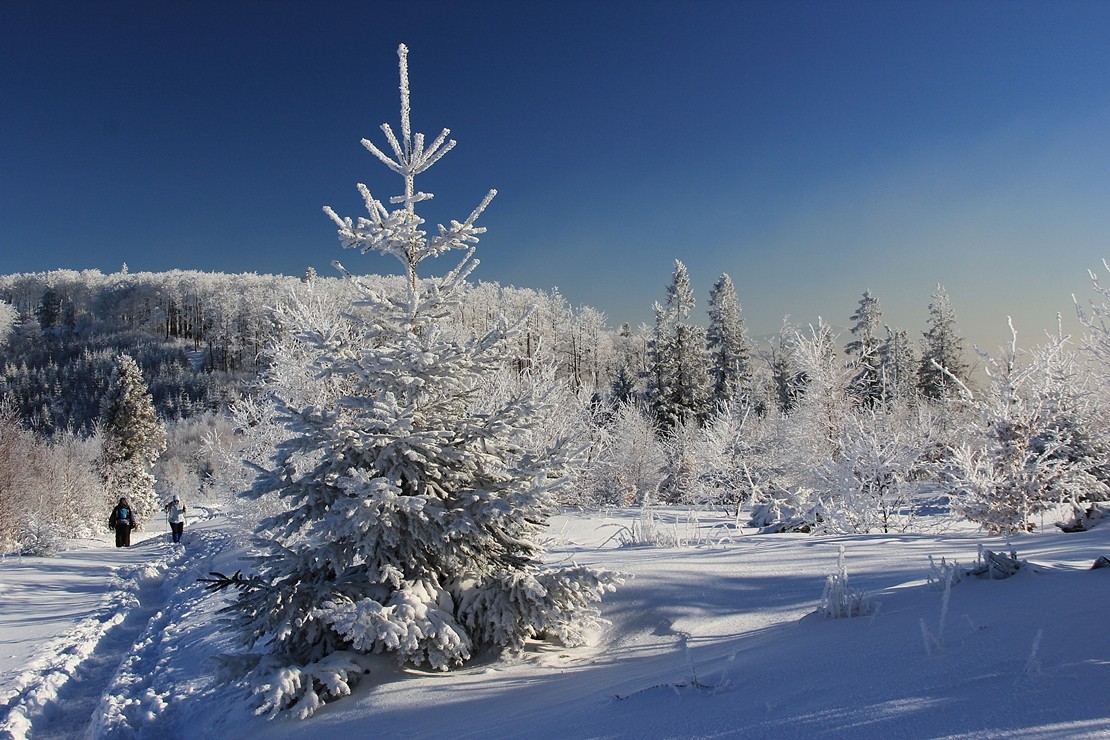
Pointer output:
x,y
107,676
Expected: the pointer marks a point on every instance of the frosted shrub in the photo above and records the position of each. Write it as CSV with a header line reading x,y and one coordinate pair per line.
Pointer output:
x,y
1096,320
734,458
1034,445
645,531
839,601
39,537
784,510
874,484
627,461
9,317
810,434
943,573
49,490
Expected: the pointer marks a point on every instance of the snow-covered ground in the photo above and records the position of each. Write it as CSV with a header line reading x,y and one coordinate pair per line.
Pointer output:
x,y
719,638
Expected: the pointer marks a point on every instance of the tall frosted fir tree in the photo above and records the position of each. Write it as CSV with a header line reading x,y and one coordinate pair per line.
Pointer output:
x,y
941,351
133,440
415,501
727,341
867,384
679,380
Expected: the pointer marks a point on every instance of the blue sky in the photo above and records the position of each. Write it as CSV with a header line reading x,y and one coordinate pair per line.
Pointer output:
x,y
812,150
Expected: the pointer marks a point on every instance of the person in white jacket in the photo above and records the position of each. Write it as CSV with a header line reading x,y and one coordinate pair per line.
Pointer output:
x,y
175,515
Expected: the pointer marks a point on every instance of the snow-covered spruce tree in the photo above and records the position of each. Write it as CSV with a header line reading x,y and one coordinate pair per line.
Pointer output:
x,y
727,337
942,368
867,386
898,365
133,439
414,512
623,388
786,380
678,388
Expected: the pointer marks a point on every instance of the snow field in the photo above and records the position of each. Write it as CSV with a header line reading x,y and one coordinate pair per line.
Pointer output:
x,y
720,636
726,640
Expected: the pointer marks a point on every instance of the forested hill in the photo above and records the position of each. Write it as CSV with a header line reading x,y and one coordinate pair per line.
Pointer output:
x,y
200,337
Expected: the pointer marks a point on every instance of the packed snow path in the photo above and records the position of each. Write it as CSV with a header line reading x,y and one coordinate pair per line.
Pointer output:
x,y
110,674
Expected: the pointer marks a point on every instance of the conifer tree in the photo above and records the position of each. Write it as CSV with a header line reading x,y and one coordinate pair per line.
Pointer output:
x,y
623,388
679,382
787,379
727,339
898,365
867,383
133,440
416,500
941,351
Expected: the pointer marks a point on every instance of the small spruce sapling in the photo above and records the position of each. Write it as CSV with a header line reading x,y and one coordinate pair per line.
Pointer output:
x,y
133,440
417,495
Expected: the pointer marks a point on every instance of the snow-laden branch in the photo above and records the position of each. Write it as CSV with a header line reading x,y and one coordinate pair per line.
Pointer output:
x,y
1096,320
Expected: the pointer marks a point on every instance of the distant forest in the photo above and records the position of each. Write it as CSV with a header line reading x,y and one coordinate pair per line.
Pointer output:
x,y
200,337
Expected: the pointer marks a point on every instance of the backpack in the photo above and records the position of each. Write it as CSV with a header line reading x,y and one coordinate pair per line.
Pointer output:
x,y
124,512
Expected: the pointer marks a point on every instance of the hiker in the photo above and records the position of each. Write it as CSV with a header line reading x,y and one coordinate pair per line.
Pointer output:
x,y
175,515
123,521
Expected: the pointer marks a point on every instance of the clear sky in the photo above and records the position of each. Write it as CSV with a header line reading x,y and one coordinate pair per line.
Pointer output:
x,y
812,150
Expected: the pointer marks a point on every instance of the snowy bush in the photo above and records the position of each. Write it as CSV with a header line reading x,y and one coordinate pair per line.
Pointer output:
x,y
39,537
1096,320
645,531
809,435
1034,444
731,457
627,461
944,572
49,489
1085,517
785,510
875,482
8,319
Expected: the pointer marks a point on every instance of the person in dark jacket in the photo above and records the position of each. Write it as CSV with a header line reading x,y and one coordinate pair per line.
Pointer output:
x,y
123,521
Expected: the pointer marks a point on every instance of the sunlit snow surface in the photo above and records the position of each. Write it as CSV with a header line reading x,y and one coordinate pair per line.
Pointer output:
x,y
721,637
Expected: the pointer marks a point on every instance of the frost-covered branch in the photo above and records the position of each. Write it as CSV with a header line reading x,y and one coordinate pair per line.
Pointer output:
x,y
1096,320
398,232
